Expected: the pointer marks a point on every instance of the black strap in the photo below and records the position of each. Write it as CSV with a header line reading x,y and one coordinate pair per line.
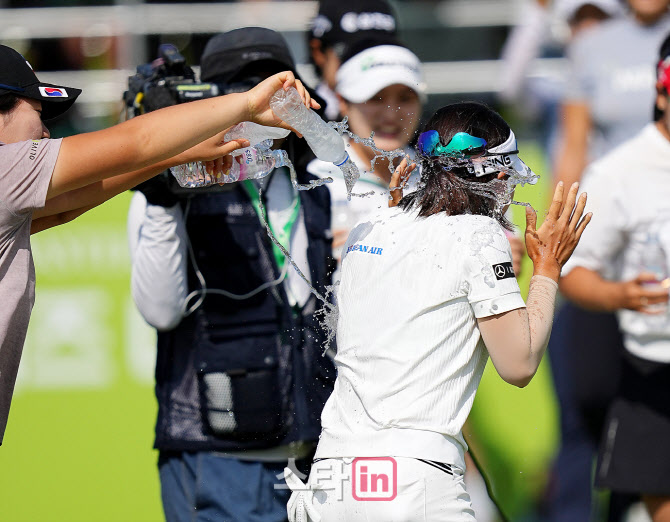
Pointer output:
x,y
439,465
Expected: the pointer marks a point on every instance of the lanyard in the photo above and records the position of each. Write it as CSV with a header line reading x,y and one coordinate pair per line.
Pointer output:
x,y
283,235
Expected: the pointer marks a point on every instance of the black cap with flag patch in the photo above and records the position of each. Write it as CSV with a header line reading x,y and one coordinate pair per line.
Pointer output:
x,y
17,77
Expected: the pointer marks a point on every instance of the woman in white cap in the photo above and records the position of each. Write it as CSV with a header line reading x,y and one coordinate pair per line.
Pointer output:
x,y
45,182
427,294
381,90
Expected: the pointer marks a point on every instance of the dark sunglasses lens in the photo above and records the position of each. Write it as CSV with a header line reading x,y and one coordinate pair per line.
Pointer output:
x,y
427,142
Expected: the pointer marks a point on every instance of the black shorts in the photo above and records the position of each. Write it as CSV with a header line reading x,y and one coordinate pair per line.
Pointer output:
x,y
634,455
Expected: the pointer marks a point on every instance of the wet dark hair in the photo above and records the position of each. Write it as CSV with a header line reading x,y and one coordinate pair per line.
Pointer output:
x,y
444,190
663,53
7,102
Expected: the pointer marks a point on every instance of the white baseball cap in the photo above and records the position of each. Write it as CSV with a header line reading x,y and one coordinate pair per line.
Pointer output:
x,y
368,72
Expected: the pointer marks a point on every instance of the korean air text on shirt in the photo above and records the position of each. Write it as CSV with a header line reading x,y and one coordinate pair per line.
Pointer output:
x,y
365,248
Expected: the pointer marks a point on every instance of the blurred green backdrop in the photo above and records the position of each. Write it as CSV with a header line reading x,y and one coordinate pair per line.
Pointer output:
x,y
78,443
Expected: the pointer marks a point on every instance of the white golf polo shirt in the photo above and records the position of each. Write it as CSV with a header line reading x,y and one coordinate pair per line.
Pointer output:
x,y
410,355
629,195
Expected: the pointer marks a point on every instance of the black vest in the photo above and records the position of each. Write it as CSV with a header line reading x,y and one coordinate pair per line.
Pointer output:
x,y
245,373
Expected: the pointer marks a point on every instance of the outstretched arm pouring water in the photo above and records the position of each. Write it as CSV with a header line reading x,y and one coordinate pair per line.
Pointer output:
x,y
516,340
93,167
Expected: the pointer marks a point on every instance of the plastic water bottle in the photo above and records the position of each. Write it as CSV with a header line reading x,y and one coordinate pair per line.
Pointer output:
x,y
255,133
654,261
253,163
193,175
324,141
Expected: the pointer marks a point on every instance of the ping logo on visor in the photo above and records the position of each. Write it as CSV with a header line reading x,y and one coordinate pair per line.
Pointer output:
x,y
53,92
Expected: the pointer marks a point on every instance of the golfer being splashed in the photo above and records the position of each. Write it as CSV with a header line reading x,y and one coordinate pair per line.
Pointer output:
x,y
427,294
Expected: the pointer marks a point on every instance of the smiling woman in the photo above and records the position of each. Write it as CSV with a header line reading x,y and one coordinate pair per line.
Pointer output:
x,y
381,91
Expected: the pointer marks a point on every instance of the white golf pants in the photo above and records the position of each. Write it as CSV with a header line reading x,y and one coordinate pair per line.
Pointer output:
x,y
385,489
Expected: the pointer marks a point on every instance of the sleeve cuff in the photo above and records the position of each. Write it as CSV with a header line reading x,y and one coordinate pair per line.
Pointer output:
x,y
498,305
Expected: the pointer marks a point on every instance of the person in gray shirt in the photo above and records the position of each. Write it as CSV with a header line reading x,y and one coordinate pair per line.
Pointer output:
x,y
610,85
46,182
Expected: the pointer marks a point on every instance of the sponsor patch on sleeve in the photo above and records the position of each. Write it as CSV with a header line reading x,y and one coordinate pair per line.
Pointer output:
x,y
503,270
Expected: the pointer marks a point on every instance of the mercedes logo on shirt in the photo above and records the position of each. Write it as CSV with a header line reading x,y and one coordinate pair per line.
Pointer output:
x,y
503,270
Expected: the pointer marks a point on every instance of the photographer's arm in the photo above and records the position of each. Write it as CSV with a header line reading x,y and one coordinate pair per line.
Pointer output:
x,y
158,246
155,137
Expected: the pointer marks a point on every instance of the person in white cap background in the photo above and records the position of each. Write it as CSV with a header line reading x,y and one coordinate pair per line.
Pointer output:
x,y
45,182
380,90
338,25
427,294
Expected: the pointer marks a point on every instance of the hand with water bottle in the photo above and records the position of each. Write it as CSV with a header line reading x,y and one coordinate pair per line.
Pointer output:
x,y
644,294
648,292
215,165
258,100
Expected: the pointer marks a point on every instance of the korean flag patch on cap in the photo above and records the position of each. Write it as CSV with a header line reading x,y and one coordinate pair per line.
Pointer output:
x,y
53,92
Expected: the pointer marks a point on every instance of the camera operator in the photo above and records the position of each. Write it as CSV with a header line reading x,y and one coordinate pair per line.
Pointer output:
x,y
46,182
240,381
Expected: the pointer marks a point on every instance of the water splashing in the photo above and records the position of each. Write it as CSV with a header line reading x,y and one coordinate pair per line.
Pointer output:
x,y
329,311
342,128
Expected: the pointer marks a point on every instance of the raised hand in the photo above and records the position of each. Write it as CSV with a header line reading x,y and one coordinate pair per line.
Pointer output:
x,y
399,180
550,246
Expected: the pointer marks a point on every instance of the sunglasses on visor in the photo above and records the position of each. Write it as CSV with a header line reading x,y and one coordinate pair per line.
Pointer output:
x,y
462,144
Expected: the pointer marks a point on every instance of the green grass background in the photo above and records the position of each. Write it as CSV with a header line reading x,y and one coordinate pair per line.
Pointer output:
x,y
78,446
78,443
